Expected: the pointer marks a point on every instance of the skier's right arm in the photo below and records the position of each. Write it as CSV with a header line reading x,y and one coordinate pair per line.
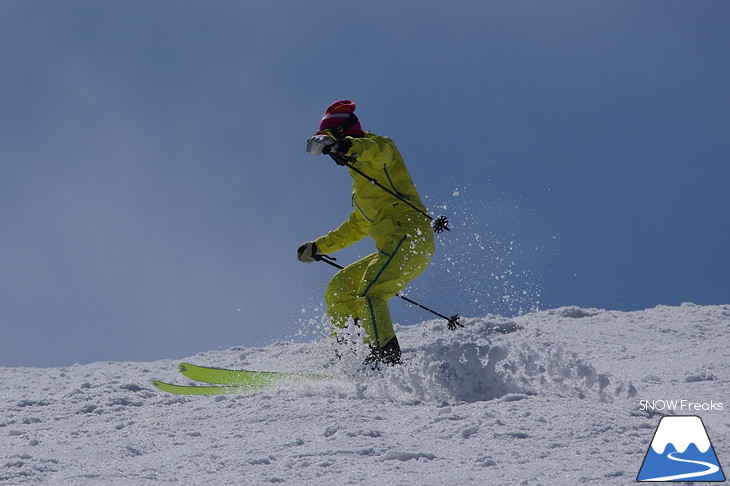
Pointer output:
x,y
351,231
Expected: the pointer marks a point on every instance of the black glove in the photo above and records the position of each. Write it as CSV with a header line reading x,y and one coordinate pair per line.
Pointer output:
x,y
308,252
341,147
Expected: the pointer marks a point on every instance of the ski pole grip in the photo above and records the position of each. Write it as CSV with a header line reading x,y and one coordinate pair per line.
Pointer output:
x,y
328,260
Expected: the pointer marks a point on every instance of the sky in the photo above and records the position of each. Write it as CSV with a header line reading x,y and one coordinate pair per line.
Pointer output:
x,y
155,188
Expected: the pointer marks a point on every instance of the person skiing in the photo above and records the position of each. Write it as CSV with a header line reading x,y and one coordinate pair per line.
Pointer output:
x,y
401,230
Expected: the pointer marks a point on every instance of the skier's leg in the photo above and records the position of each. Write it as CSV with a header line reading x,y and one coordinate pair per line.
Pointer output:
x,y
401,260
341,295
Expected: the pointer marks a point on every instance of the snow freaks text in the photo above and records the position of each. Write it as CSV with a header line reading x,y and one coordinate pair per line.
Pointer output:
x,y
680,406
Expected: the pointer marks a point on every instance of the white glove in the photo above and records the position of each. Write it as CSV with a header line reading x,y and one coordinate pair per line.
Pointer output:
x,y
319,144
308,252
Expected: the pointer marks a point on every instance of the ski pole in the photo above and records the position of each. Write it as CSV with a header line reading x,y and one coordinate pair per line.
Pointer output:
x,y
439,224
453,321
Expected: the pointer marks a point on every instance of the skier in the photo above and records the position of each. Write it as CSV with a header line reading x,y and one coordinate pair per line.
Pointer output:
x,y
403,237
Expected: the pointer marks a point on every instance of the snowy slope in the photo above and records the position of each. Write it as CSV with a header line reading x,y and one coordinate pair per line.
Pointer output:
x,y
552,397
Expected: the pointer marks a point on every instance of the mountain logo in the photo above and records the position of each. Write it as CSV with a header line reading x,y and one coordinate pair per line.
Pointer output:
x,y
680,451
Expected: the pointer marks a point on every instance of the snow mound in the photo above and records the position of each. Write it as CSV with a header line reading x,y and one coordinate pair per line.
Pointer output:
x,y
551,397
491,358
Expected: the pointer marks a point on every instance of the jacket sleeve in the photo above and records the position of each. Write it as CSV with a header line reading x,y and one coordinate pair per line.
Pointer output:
x,y
373,150
351,231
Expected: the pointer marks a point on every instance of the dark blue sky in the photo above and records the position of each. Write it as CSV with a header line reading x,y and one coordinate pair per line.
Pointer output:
x,y
155,186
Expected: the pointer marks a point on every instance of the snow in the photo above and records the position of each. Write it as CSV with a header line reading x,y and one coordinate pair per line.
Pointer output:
x,y
552,397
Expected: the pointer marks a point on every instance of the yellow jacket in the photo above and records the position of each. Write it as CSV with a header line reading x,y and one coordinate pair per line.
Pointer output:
x,y
375,212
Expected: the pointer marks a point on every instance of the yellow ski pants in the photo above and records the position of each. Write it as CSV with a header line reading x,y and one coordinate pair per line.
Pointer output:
x,y
362,290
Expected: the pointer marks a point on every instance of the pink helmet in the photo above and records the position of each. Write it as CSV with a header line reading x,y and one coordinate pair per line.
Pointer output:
x,y
339,117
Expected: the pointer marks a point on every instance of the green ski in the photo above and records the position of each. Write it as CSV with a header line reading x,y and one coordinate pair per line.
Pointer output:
x,y
225,381
202,390
222,376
